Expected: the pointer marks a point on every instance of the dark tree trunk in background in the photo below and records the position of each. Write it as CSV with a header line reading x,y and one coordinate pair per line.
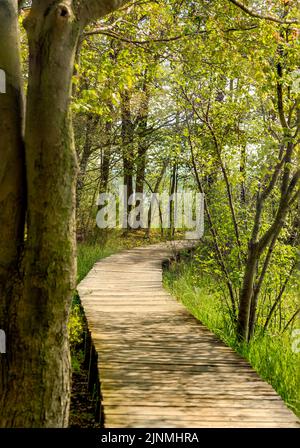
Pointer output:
x,y
142,123
156,190
173,190
128,149
106,156
243,172
141,168
104,173
91,123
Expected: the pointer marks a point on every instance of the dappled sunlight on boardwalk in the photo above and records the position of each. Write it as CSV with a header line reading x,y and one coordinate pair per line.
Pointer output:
x,y
159,367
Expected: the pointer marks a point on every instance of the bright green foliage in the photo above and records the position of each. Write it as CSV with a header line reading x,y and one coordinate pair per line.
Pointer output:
x,y
75,326
221,92
272,357
216,114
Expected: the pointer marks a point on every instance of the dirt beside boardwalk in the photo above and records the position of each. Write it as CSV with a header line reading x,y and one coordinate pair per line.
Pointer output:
x,y
83,405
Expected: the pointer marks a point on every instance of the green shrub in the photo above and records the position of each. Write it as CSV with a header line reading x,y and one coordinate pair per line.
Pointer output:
x,y
76,326
269,354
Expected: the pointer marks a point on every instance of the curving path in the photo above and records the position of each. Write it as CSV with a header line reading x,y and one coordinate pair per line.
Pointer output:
x,y
159,367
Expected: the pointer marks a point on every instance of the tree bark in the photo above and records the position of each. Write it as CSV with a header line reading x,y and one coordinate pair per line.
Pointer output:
x,y
91,122
142,123
173,191
12,187
105,159
257,288
37,392
92,9
243,172
12,168
35,372
247,292
155,191
127,141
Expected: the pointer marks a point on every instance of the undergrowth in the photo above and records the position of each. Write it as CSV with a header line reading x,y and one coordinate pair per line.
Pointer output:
x,y
270,355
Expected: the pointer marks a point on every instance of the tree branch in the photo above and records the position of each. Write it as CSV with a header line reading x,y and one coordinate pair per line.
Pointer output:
x,y
291,320
281,212
280,105
206,121
212,229
269,17
108,31
115,35
89,10
279,297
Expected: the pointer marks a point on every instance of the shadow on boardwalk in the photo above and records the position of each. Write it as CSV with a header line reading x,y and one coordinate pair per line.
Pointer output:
x,y
159,367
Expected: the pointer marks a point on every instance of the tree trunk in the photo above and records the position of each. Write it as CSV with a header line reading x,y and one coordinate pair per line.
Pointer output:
x,y
12,191
142,123
247,292
127,141
173,190
155,191
105,159
35,372
243,172
37,393
141,168
104,172
91,122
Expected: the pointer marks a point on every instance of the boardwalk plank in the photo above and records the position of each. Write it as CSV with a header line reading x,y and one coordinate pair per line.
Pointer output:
x,y
158,366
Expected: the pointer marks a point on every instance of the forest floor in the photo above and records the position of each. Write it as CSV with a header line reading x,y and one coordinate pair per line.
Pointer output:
x,y
82,412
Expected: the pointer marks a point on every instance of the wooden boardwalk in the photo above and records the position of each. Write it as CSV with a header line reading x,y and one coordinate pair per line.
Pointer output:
x,y
158,366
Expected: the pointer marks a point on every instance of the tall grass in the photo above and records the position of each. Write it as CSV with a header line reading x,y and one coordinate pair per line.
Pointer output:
x,y
88,254
271,356
90,251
